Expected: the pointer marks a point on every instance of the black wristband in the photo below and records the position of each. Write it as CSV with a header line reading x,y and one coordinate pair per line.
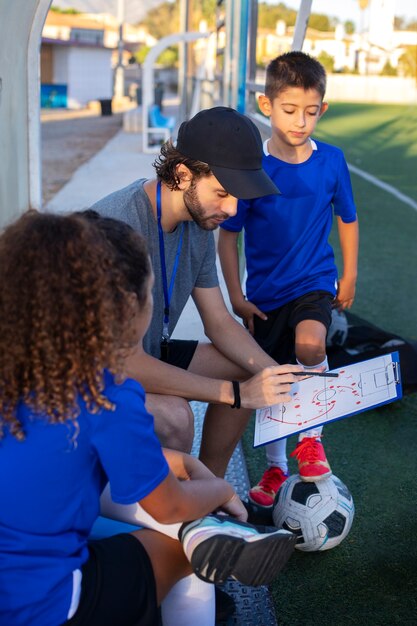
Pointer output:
x,y
236,391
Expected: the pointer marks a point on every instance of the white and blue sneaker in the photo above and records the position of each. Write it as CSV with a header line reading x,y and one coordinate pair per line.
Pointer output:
x,y
219,547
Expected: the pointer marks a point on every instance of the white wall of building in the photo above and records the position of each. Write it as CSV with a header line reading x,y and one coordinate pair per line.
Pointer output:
x,y
60,65
90,76
377,89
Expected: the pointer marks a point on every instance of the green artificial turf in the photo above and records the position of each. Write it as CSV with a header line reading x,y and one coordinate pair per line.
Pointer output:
x,y
371,578
381,139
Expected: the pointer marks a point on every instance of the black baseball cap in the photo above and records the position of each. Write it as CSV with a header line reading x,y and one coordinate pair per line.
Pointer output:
x,y
231,145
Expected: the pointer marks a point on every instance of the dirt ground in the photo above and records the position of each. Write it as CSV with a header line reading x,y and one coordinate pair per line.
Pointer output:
x,y
68,141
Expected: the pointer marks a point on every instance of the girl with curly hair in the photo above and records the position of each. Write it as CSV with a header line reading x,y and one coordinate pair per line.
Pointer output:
x,y
70,423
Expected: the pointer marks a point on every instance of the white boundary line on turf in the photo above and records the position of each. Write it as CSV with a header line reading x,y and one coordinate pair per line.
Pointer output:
x,y
388,188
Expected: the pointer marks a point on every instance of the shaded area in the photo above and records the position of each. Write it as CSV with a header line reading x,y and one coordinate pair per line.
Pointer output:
x,y
68,143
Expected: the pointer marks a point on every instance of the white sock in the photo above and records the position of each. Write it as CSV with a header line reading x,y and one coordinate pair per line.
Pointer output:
x,y
276,454
313,432
133,514
191,601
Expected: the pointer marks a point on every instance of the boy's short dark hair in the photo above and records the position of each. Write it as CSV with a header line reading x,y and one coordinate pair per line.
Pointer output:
x,y
294,69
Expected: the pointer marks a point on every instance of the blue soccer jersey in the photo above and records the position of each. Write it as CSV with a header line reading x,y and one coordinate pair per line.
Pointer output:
x,y
286,236
50,485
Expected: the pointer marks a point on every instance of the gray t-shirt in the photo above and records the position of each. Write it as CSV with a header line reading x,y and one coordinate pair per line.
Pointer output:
x,y
197,262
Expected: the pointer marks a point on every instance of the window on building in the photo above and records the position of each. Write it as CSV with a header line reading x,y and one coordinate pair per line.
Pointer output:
x,y
87,35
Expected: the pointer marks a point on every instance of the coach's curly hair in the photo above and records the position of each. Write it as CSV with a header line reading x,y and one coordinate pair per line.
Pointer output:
x,y
64,309
166,166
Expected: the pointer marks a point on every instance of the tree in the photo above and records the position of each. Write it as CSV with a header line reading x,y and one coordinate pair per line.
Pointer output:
x,y
65,11
407,62
141,54
349,27
163,19
388,70
167,58
327,61
268,15
399,23
321,22
204,10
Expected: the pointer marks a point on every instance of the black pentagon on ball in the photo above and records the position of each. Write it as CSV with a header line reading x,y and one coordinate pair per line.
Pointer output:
x,y
302,491
294,531
336,523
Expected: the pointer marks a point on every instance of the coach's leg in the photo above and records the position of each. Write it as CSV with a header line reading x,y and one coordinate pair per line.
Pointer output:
x,y
223,426
174,421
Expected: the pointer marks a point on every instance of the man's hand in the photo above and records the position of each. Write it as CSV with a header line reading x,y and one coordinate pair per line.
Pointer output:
x,y
271,386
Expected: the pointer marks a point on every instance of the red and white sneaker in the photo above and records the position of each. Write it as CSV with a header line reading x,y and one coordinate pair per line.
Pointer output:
x,y
263,494
312,462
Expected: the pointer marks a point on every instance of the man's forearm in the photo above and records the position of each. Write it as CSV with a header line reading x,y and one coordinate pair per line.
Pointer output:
x,y
161,378
234,341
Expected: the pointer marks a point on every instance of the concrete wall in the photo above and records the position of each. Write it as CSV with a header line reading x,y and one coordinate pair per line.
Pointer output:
x,y
21,23
378,89
356,88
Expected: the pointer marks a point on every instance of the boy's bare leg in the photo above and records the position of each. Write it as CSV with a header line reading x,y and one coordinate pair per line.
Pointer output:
x,y
223,426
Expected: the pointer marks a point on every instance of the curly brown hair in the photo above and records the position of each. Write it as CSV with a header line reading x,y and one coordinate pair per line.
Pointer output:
x,y
64,309
166,166
126,242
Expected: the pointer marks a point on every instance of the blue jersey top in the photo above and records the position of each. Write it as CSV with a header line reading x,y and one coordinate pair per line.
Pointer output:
x,y
286,236
50,486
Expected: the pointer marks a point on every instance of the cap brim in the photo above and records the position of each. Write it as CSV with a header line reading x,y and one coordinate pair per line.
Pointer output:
x,y
245,184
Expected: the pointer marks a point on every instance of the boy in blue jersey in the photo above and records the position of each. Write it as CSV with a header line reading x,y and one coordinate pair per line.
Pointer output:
x,y
292,281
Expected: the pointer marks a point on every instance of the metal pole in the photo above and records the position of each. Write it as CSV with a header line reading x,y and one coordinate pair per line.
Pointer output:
x,y
303,16
243,56
119,78
252,31
183,60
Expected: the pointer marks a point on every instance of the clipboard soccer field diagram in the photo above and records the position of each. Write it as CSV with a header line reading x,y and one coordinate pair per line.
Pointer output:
x,y
319,400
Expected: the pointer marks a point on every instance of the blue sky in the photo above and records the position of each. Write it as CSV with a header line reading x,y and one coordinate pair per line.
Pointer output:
x,y
349,9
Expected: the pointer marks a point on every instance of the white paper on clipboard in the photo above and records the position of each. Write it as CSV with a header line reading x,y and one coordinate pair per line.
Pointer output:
x,y
316,401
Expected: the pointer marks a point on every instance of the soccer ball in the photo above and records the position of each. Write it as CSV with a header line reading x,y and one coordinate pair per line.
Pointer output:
x,y
338,330
320,513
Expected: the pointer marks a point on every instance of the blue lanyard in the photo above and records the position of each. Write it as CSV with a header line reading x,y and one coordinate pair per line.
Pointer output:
x,y
167,291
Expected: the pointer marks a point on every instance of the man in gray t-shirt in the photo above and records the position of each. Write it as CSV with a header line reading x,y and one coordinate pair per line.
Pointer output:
x,y
217,159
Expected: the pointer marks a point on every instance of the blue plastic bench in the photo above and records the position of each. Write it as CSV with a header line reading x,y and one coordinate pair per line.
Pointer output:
x,y
104,527
157,121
